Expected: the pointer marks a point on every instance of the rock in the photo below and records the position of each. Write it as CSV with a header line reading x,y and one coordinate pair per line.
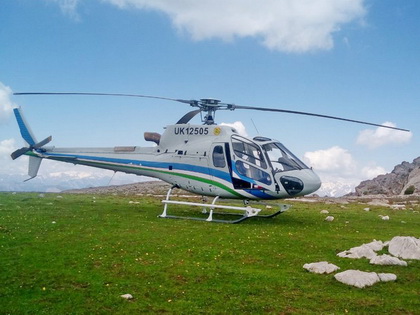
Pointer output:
x,y
363,251
398,207
127,296
324,212
366,209
406,247
385,277
384,217
329,218
375,245
379,202
387,260
357,278
321,267
155,187
402,176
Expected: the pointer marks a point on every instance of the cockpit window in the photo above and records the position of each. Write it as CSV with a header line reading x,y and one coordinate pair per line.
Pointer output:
x,y
248,151
282,159
250,171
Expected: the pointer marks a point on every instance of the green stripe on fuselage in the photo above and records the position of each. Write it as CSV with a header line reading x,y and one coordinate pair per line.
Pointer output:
x,y
192,177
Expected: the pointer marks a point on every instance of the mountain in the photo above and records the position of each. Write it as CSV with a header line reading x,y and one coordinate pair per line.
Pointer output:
x,y
404,178
56,182
334,189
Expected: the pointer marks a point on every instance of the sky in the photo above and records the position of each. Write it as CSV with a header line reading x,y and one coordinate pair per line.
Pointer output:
x,y
358,59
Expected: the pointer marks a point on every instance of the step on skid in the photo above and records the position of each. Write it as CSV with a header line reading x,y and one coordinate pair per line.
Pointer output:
x,y
248,211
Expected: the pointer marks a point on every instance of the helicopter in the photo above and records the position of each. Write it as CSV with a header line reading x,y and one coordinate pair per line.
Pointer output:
x,y
206,159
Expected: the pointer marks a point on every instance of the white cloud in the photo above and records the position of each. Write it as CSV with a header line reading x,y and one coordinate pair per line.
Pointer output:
x,y
339,171
239,126
371,171
6,105
332,160
383,136
7,165
6,147
68,7
283,25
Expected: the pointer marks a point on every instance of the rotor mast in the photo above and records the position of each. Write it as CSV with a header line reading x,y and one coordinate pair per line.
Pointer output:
x,y
208,106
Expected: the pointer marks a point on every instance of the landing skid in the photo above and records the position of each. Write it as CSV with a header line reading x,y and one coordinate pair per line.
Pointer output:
x,y
248,211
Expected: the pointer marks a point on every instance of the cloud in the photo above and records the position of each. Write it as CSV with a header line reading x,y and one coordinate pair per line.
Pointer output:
x,y
332,160
383,136
6,105
282,25
7,165
371,171
6,147
68,7
339,171
239,126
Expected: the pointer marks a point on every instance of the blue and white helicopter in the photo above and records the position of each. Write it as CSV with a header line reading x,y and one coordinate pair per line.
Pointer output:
x,y
206,159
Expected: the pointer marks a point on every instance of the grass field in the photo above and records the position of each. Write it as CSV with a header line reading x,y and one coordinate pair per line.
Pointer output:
x,y
76,254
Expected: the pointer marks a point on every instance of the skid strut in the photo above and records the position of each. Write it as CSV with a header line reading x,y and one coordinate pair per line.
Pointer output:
x,y
248,211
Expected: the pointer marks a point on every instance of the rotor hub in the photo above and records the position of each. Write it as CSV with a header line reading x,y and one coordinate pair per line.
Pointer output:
x,y
209,102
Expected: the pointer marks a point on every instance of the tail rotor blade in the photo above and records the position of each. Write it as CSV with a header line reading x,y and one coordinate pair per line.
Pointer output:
x,y
19,152
22,151
42,143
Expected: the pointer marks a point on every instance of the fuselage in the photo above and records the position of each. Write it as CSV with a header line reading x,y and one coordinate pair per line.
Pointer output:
x,y
211,160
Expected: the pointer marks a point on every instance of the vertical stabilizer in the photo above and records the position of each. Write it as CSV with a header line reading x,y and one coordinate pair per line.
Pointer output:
x,y
25,130
34,163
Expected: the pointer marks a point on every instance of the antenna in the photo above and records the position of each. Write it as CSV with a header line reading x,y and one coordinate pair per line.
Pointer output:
x,y
256,129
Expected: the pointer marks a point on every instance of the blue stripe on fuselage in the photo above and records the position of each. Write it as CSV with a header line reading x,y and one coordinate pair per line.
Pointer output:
x,y
259,194
162,165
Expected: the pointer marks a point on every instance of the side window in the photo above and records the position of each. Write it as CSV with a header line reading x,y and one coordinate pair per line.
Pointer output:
x,y
218,156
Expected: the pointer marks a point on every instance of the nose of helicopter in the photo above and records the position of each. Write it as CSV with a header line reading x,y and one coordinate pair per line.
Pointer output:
x,y
312,182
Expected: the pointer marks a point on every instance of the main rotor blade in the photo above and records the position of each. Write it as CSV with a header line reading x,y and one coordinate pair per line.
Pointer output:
x,y
107,94
188,116
312,114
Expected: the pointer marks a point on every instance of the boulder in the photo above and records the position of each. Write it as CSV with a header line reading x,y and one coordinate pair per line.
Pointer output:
x,y
321,267
385,277
127,296
406,247
363,251
387,260
357,278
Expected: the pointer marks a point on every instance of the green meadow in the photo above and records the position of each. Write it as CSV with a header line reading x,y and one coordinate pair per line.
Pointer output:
x,y
76,254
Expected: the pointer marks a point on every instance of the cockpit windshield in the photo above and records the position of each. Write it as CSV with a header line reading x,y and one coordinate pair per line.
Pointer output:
x,y
281,158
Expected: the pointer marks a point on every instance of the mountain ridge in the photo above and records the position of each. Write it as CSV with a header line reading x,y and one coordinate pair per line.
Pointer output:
x,y
403,179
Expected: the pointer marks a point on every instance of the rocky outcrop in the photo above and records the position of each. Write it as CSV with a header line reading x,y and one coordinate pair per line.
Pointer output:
x,y
404,177
143,188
